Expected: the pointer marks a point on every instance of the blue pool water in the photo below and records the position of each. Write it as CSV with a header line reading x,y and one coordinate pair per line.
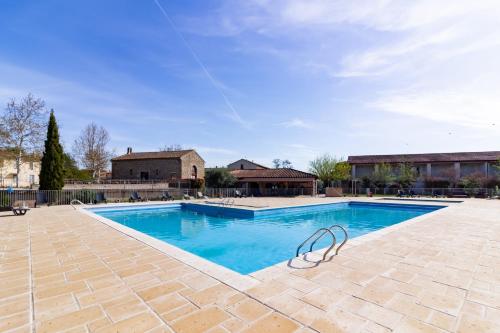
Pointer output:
x,y
248,244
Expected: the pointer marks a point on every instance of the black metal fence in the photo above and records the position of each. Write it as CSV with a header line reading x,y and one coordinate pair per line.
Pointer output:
x,y
64,197
430,192
88,196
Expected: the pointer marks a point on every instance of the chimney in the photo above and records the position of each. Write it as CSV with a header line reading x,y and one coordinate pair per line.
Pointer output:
x,y
129,150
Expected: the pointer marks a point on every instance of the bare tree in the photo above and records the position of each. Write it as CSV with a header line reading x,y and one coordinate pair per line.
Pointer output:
x,y
174,147
90,148
22,128
276,163
286,164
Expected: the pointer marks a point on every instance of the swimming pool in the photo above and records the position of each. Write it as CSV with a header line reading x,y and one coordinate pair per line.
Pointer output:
x,y
256,239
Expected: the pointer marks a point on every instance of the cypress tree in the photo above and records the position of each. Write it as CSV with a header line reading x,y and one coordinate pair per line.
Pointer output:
x,y
52,171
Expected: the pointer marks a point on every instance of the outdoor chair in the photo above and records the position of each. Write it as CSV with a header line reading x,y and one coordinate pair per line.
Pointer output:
x,y
100,197
237,194
134,196
201,196
187,197
166,196
22,207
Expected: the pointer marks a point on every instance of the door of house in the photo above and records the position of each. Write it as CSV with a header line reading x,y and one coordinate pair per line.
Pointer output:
x,y
144,175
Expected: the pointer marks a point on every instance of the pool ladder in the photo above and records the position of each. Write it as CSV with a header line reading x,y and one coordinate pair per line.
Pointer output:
x,y
228,202
74,203
318,234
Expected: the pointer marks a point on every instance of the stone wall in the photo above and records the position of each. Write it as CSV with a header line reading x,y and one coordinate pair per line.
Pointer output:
x,y
188,161
157,169
171,169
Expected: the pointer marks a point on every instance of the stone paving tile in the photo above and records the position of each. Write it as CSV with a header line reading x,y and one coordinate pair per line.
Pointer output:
x,y
440,274
273,322
138,323
200,320
70,320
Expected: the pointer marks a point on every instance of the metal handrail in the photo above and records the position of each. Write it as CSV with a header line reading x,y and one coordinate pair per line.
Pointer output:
x,y
324,233
76,201
325,230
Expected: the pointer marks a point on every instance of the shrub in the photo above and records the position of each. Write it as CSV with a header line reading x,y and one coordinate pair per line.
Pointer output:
x,y
197,183
219,178
431,182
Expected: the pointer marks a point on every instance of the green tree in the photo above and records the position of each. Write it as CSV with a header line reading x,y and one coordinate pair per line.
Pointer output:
x,y
341,171
382,176
407,174
219,178
329,169
52,171
497,165
71,170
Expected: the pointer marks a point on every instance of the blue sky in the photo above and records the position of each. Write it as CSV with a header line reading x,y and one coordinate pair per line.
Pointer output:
x,y
260,79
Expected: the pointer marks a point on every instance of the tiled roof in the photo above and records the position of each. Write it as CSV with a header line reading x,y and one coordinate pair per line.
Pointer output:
x,y
426,158
271,173
153,155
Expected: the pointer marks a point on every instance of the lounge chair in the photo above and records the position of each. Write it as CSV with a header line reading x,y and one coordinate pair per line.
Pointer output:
x,y
22,207
166,196
100,197
201,196
237,194
403,193
134,196
187,197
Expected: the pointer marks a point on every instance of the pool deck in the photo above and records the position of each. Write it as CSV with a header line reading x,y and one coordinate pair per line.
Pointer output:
x,y
64,271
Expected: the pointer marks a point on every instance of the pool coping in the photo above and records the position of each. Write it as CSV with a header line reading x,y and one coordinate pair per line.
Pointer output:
x,y
232,278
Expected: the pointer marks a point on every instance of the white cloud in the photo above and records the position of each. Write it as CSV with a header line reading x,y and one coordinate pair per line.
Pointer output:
x,y
428,59
466,106
298,123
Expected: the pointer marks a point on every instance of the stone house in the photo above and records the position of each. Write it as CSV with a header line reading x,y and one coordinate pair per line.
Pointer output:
x,y
171,166
29,171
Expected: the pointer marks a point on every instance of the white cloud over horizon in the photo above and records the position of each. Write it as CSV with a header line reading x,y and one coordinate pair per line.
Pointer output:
x,y
428,59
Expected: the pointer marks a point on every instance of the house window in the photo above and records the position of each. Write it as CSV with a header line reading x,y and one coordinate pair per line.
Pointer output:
x,y
194,172
32,179
31,165
157,172
131,172
241,166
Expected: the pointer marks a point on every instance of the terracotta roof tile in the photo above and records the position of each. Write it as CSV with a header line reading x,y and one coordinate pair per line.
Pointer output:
x,y
426,158
153,155
271,173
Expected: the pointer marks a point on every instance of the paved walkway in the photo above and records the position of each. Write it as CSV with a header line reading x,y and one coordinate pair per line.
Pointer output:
x,y
62,271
